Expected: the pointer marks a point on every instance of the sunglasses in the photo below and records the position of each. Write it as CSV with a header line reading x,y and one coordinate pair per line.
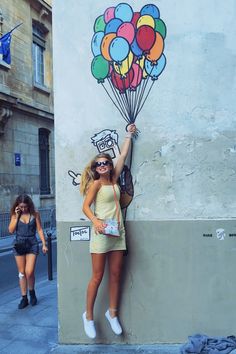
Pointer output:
x,y
102,163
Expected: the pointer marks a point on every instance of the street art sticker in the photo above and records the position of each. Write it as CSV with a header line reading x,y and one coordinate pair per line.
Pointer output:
x,y
106,141
220,234
128,55
80,233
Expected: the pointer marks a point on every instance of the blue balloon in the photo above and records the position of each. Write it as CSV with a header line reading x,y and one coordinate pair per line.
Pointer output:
x,y
124,12
96,43
119,49
113,25
155,70
135,49
151,10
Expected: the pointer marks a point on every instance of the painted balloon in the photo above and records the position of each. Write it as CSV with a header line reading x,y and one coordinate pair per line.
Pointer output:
x,y
151,10
160,27
100,68
124,12
113,25
106,41
126,30
109,14
122,84
96,43
138,75
157,49
99,25
125,65
155,70
146,20
145,37
119,49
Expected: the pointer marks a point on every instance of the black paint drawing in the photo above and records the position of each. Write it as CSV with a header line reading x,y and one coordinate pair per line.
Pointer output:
x,y
107,141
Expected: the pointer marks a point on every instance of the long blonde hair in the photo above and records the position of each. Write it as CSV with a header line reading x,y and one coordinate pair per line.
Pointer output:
x,y
90,174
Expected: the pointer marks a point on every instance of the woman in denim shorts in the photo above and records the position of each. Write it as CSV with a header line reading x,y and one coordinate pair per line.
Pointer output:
x,y
25,221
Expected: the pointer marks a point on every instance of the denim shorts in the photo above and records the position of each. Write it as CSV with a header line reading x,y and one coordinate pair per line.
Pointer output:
x,y
32,246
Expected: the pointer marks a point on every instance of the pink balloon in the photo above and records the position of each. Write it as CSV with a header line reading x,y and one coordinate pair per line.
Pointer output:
x,y
138,74
109,14
126,30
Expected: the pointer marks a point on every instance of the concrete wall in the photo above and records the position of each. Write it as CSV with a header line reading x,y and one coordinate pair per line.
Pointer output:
x,y
176,277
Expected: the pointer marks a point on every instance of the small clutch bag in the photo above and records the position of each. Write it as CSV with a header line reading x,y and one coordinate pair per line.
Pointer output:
x,y
111,228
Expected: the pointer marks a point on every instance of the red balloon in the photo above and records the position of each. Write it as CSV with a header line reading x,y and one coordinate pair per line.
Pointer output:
x,y
145,37
135,18
122,83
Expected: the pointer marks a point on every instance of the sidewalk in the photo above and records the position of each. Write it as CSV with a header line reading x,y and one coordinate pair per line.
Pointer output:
x,y
34,329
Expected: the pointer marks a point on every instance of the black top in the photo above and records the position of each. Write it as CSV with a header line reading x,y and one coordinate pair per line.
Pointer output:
x,y
26,230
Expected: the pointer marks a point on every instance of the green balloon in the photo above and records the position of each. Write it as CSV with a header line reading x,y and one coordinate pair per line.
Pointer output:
x,y
99,24
100,68
160,27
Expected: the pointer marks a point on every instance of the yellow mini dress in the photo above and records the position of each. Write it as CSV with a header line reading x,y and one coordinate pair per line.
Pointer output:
x,y
105,208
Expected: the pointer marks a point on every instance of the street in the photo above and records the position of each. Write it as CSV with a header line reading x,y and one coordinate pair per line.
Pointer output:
x,y
8,270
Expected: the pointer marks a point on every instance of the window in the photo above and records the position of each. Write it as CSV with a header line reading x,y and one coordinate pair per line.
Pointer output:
x,y
44,165
38,54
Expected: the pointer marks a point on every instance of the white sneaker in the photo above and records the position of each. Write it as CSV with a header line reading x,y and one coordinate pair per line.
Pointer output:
x,y
114,322
89,327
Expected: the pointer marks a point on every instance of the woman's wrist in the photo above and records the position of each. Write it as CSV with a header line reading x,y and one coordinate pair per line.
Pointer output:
x,y
128,135
93,218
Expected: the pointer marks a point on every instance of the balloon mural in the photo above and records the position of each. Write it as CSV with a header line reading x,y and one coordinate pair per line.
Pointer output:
x,y
128,55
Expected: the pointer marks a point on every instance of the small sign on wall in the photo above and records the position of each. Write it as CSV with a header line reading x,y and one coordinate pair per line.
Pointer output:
x,y
17,159
80,233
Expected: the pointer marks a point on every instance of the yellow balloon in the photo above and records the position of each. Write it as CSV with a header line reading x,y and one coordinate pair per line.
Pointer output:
x,y
145,74
146,20
141,62
125,65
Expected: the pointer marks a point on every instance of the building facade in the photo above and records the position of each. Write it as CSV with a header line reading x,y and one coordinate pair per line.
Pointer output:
x,y
26,104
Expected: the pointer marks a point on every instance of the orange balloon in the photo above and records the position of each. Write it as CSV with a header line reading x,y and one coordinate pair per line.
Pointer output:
x,y
157,49
106,44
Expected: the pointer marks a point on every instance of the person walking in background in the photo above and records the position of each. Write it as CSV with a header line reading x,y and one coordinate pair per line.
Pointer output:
x,y
99,185
25,221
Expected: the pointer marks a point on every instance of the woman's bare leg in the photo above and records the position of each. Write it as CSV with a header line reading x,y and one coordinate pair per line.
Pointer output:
x,y
21,262
115,261
98,266
29,269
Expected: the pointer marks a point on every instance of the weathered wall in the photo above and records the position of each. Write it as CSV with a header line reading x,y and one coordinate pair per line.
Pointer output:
x,y
24,106
183,169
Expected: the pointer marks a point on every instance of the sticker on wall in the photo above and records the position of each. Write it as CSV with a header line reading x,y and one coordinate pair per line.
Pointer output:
x,y
220,234
128,49
80,233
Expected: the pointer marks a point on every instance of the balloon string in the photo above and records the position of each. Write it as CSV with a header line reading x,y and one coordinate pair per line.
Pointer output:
x,y
119,100
145,98
139,98
122,97
114,102
142,94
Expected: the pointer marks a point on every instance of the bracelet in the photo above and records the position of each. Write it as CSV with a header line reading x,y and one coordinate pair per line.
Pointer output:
x,y
129,135
94,217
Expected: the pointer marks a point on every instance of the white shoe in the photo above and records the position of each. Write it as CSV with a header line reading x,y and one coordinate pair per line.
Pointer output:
x,y
89,327
114,322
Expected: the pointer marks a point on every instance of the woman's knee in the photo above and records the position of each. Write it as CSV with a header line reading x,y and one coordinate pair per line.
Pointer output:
x,y
97,278
115,275
29,274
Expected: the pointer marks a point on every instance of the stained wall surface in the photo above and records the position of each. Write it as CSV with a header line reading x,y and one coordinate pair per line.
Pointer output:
x,y
181,222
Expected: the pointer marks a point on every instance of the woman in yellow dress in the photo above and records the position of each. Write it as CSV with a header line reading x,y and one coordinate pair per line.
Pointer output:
x,y
99,185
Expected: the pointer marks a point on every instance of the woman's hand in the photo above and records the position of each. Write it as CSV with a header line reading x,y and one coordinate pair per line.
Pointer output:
x,y
44,248
131,128
98,226
18,212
